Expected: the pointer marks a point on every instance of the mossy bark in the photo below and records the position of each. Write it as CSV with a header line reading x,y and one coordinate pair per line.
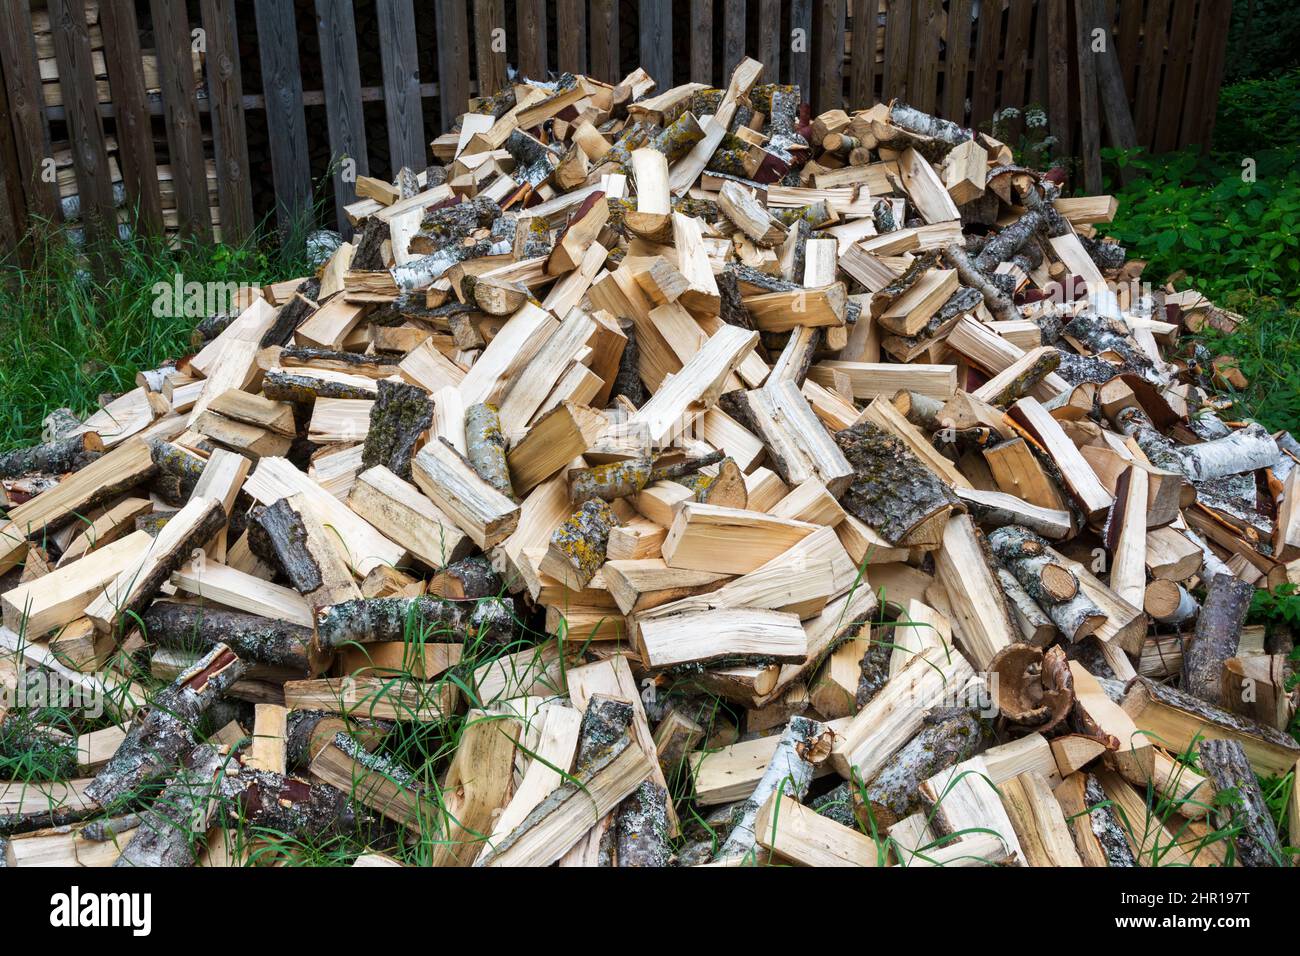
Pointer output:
x,y
892,491
641,828
605,721
282,385
401,414
486,446
582,539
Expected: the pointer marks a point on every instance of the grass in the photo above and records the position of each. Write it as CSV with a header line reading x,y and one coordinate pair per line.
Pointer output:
x,y
68,336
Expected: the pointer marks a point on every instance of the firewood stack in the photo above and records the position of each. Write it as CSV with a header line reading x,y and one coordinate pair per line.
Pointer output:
x,y
830,477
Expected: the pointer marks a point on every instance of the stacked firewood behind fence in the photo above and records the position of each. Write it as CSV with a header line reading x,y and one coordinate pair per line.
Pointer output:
x,y
126,113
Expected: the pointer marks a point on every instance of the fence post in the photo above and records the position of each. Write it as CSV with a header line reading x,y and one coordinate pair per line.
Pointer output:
x,y
656,29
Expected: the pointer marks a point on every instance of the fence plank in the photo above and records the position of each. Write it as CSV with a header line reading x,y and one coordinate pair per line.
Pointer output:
x,y
1130,33
769,38
1089,122
571,39
13,204
489,45
701,41
81,110
1015,62
604,40
862,54
171,30
277,43
983,96
400,68
341,74
957,55
531,19
229,136
800,40
453,75
131,117
828,93
1059,115
1171,92
1148,82
1209,56
656,29
927,17
898,48
26,103
733,35
1038,56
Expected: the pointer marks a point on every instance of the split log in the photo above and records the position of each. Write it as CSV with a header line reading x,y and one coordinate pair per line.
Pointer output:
x,y
1256,842
165,836
1097,828
259,640
485,445
892,491
997,509
53,457
1218,629
949,736
803,745
1035,626
556,823
577,547
1041,828
162,735
478,509
641,828
131,592
306,552
1129,749
1053,586
402,413
1181,721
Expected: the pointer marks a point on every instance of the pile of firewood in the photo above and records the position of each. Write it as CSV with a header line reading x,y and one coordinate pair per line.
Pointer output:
x,y
834,479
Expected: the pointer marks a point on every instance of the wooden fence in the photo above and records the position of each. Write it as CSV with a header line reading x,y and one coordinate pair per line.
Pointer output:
x,y
123,105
